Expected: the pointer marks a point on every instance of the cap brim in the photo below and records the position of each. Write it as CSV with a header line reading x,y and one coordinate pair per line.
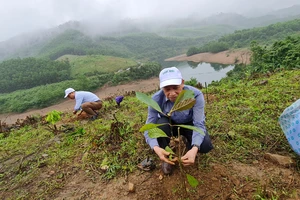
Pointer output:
x,y
66,95
170,82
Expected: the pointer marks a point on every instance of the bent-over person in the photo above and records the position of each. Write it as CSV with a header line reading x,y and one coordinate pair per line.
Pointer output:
x,y
85,101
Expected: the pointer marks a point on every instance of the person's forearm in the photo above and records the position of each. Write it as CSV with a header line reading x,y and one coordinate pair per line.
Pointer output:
x,y
197,138
150,141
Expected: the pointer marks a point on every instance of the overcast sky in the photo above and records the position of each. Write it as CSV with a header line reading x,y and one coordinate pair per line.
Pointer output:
x,y
21,16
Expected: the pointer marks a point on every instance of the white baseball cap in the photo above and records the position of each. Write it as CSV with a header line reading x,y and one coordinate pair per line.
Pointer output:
x,y
170,76
68,91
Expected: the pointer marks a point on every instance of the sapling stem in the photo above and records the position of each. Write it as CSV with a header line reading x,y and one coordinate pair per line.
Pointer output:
x,y
180,164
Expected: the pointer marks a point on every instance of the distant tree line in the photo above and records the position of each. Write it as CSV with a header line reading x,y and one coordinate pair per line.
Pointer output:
x,y
282,54
243,38
26,73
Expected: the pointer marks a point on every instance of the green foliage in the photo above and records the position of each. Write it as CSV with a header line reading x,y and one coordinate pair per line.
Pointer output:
x,y
192,181
243,38
143,71
282,54
27,73
155,132
213,47
149,101
192,82
141,46
194,128
184,101
53,117
91,65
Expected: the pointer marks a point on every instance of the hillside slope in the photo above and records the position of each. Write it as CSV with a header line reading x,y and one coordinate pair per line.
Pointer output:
x,y
97,160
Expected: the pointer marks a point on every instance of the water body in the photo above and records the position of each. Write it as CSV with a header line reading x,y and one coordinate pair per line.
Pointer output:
x,y
203,72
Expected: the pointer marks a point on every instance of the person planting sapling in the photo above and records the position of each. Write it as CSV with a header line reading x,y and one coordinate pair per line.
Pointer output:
x,y
171,85
85,101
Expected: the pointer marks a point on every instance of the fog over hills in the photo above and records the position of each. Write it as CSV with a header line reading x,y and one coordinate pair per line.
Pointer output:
x,y
26,44
18,16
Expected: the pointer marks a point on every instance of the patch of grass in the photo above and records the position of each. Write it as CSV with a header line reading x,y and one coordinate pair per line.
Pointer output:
x,y
250,111
96,63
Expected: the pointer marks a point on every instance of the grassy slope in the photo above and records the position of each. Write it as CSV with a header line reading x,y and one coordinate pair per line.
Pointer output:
x,y
104,64
242,118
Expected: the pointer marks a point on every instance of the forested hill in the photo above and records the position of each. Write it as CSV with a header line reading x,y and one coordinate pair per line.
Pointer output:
x,y
141,46
243,38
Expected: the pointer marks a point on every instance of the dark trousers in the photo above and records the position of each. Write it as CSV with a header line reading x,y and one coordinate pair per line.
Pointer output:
x,y
205,147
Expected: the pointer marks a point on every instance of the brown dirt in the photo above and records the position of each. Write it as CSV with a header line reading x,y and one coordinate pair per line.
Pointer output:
x,y
225,57
228,181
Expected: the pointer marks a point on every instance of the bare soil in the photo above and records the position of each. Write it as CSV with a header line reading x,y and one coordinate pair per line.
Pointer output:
x,y
217,181
224,57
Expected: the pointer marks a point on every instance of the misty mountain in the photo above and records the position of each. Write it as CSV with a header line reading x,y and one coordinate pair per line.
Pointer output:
x,y
286,12
238,22
37,43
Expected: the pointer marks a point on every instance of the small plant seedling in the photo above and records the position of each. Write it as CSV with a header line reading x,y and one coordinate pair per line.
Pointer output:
x,y
184,101
53,117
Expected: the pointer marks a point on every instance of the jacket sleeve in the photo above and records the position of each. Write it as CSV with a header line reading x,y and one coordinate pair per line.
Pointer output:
x,y
152,118
199,119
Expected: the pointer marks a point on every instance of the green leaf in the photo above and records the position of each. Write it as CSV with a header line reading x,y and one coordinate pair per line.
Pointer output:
x,y
168,149
148,100
180,97
156,133
184,94
149,126
192,180
189,94
53,117
194,128
153,131
183,105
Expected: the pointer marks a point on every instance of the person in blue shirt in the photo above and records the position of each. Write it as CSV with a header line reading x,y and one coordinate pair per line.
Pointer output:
x,y
171,84
85,101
